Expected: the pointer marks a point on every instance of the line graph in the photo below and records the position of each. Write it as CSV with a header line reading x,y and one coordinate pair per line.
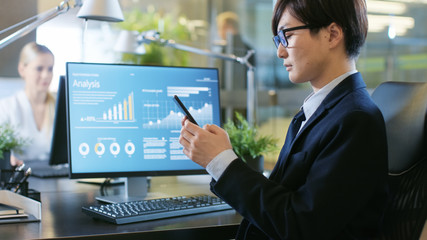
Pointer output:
x,y
166,115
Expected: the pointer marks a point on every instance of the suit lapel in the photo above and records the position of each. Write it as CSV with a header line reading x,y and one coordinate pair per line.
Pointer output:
x,y
348,85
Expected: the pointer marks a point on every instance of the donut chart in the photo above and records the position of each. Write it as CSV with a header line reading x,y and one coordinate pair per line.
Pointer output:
x,y
84,149
130,148
115,148
99,149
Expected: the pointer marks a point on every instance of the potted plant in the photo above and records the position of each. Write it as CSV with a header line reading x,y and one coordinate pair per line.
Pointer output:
x,y
248,144
9,140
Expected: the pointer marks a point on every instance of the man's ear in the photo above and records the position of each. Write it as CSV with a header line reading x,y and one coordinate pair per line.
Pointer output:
x,y
336,35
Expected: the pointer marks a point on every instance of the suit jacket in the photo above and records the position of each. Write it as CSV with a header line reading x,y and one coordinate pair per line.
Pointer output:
x,y
328,183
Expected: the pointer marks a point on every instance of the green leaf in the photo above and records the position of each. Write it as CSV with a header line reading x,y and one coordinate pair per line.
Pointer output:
x,y
245,140
9,139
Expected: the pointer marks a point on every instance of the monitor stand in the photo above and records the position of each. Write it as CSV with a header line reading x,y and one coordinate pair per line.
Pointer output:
x,y
136,188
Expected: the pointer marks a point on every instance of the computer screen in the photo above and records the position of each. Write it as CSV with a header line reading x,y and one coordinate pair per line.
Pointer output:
x,y
58,151
122,121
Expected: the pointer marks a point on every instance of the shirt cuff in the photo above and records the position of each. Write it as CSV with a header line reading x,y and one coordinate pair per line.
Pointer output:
x,y
218,165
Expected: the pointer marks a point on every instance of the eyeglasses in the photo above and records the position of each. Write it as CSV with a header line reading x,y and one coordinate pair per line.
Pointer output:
x,y
281,38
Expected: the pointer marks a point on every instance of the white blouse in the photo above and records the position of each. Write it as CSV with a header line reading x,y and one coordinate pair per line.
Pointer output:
x,y
17,111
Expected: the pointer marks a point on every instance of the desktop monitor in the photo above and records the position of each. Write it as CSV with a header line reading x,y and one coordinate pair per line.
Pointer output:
x,y
58,152
122,120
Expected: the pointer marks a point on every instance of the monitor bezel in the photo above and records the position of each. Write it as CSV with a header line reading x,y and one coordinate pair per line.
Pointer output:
x,y
58,151
134,173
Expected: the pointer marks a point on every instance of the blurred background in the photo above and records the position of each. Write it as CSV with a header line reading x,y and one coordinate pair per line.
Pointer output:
x,y
396,47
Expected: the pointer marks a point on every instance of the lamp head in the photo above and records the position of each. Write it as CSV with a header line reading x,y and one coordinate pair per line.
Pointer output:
x,y
101,10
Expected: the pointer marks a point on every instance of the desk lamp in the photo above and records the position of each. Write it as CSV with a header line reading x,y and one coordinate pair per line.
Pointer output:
x,y
153,36
100,10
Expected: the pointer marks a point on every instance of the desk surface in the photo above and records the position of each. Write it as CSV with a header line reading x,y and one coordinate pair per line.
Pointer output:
x,y
63,198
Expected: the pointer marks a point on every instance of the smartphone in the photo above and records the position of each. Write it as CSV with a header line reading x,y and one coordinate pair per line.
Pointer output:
x,y
183,109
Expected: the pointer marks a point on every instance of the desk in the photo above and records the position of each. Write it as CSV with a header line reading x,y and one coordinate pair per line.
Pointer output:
x,y
63,198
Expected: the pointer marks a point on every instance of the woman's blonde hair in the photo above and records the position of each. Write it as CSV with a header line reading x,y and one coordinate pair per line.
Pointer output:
x,y
32,50
28,53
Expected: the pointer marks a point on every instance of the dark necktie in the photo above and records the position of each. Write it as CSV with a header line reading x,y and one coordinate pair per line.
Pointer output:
x,y
296,124
292,132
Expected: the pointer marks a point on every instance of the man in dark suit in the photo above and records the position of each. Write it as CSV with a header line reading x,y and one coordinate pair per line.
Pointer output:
x,y
330,178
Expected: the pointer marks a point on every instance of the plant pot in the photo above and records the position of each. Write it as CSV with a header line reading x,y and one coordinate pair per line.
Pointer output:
x,y
256,164
5,161
5,165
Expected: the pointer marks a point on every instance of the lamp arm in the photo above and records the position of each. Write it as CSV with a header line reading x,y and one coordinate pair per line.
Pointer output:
x,y
48,15
204,52
20,23
171,43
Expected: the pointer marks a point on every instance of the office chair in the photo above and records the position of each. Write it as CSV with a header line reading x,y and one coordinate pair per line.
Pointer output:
x,y
404,107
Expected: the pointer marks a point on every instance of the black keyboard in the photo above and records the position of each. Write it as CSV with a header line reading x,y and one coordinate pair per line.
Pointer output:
x,y
50,172
146,210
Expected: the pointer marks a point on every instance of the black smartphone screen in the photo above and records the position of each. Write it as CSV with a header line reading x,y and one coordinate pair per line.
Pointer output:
x,y
183,109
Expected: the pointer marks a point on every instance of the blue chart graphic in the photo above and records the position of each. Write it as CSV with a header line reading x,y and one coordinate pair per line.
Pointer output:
x,y
166,115
122,118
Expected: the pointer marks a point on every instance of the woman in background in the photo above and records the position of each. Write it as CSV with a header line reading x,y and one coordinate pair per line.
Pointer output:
x,y
31,111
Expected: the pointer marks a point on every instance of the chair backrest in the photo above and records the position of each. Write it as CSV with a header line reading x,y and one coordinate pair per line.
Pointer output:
x,y
404,107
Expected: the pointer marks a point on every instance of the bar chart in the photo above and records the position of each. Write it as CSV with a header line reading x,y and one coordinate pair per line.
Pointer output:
x,y
106,107
121,111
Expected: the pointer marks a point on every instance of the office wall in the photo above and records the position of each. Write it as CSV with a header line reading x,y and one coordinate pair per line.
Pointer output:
x,y
13,12
10,86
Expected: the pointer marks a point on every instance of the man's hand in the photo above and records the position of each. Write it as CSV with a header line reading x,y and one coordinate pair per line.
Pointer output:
x,y
203,144
15,161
